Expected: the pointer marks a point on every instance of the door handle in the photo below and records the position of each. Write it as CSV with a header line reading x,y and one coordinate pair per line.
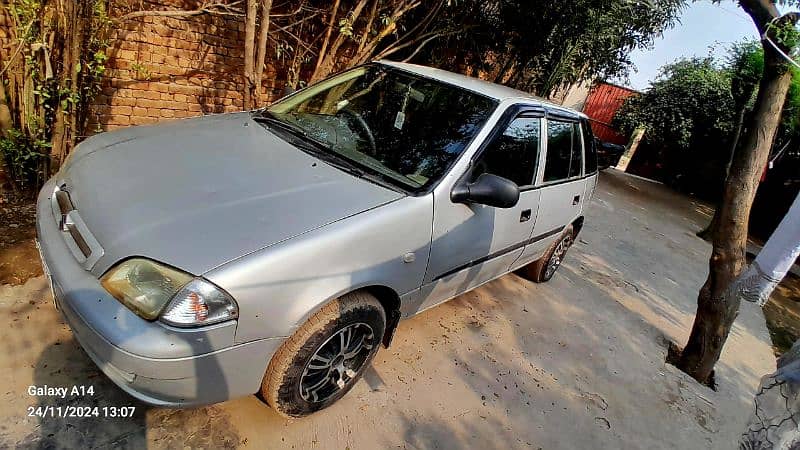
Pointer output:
x,y
576,200
525,216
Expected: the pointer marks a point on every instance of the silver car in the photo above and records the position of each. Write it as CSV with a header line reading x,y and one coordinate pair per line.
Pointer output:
x,y
274,251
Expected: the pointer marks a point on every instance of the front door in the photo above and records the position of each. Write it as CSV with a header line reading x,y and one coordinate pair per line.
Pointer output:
x,y
475,243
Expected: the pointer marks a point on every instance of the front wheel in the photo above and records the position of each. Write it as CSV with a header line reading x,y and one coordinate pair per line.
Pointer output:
x,y
325,357
545,267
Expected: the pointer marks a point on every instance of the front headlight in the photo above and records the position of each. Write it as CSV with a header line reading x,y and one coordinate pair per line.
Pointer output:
x,y
151,290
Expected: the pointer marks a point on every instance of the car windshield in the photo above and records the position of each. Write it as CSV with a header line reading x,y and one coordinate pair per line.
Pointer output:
x,y
402,127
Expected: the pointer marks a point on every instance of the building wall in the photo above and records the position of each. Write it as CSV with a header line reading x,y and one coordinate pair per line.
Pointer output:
x,y
163,68
574,96
603,102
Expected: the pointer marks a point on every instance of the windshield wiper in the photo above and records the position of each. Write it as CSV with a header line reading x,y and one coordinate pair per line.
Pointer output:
x,y
323,152
319,149
267,116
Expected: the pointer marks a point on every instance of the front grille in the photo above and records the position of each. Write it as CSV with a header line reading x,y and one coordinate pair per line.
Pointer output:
x,y
64,203
80,241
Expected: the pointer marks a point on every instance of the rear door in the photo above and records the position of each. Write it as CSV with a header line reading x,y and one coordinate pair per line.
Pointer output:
x,y
560,181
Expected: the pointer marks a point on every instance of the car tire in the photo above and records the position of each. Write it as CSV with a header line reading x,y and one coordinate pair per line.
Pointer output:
x,y
541,270
312,370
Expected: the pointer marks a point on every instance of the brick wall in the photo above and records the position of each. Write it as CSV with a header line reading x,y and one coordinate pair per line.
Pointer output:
x,y
163,68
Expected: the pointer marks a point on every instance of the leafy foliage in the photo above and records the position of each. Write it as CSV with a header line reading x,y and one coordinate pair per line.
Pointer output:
x,y
746,62
49,88
543,47
688,113
690,103
22,155
692,110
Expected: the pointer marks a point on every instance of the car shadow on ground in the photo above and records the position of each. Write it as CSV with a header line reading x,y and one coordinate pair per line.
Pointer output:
x,y
66,365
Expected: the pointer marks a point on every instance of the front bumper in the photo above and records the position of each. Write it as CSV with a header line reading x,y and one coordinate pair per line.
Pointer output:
x,y
155,363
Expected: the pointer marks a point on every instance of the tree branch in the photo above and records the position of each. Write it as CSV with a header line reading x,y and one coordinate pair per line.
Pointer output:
x,y
426,41
761,11
327,39
372,12
211,8
394,48
249,53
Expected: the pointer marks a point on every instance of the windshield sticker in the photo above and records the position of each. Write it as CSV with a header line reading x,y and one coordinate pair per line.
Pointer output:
x,y
399,120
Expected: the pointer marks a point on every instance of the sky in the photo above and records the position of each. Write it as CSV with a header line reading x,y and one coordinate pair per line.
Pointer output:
x,y
703,25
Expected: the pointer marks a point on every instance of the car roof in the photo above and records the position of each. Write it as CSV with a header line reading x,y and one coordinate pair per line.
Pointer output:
x,y
483,87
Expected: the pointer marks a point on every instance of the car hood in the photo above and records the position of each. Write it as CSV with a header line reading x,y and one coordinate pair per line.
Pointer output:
x,y
200,192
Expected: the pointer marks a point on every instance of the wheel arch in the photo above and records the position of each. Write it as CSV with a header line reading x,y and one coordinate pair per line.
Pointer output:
x,y
390,301
577,224
386,296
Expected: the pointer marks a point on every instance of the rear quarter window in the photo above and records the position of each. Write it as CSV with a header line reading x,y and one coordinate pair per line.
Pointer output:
x,y
559,150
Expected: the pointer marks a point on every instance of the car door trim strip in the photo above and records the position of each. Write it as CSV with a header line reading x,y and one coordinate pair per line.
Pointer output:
x,y
500,253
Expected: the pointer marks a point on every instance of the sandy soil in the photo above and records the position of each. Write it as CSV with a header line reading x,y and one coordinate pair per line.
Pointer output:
x,y
19,259
574,363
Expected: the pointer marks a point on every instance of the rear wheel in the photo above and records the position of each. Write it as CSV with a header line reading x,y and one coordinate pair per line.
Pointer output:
x,y
326,356
545,267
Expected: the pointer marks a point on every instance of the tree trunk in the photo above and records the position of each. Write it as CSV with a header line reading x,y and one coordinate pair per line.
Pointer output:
x,y
501,74
329,60
5,112
736,135
716,308
705,233
60,134
249,54
261,55
372,12
324,48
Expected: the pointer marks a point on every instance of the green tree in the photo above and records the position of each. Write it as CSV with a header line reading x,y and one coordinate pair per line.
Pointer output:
x,y
689,114
543,47
717,301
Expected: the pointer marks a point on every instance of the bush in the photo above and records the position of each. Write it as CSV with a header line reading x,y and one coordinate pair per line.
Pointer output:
x,y
22,157
689,114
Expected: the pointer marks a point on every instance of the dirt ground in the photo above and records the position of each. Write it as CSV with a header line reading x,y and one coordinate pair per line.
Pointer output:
x,y
574,363
19,259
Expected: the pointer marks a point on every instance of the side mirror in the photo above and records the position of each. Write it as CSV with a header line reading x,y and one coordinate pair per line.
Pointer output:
x,y
489,190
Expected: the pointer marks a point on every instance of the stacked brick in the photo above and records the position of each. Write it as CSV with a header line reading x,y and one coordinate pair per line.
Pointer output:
x,y
162,68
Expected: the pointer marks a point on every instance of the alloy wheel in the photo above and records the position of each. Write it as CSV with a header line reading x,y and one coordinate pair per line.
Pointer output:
x,y
337,362
558,255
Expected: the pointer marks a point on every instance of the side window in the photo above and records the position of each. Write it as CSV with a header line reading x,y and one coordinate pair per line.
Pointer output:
x,y
590,148
514,153
577,151
559,150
